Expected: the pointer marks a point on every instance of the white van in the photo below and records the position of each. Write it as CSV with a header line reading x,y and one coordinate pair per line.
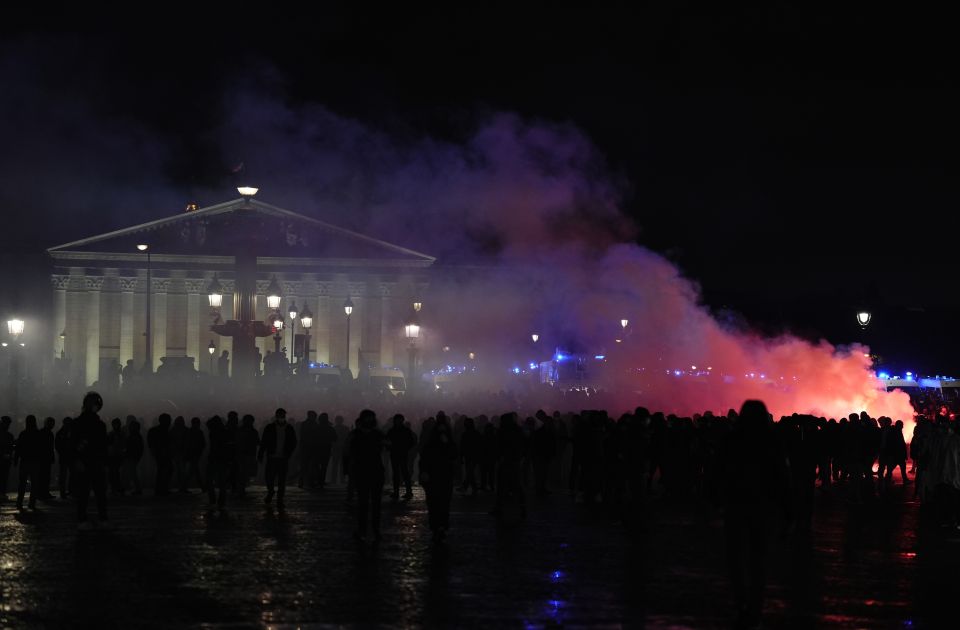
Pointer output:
x,y
388,379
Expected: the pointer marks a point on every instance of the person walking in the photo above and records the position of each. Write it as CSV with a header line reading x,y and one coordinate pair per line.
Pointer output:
x,y
7,443
366,471
326,439
277,444
158,441
400,440
438,465
132,454
27,458
62,444
116,444
196,443
89,437
218,463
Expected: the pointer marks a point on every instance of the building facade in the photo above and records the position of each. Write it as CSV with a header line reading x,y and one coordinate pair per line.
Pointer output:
x,y
101,286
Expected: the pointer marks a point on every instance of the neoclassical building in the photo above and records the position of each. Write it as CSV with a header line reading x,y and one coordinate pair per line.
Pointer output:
x,y
100,288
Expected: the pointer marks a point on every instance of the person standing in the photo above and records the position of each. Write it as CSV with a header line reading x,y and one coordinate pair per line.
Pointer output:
x,y
196,444
470,450
326,439
340,452
64,457
223,364
6,455
27,457
158,441
366,471
89,437
116,444
400,439
277,443
218,462
309,445
47,458
438,465
178,453
248,440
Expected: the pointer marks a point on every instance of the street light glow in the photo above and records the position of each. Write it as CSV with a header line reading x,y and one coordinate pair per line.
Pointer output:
x,y
624,322
348,306
15,327
535,337
863,318
143,247
247,191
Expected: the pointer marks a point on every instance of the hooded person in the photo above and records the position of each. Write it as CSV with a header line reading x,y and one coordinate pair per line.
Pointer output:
x,y
89,445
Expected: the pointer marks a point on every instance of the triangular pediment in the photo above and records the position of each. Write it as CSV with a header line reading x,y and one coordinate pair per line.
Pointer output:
x,y
226,228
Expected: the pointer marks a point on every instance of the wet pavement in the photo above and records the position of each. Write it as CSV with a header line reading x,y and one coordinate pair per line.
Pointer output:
x,y
169,563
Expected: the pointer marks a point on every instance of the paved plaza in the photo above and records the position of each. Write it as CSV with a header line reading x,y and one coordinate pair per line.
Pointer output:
x,y
169,563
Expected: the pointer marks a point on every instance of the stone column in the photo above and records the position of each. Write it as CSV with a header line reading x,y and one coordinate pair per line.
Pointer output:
x,y
194,290
159,333
92,355
226,314
60,285
127,288
291,292
357,324
387,334
320,333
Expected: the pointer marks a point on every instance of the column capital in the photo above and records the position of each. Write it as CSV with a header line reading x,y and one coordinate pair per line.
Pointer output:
x,y
160,285
128,284
59,282
195,285
93,283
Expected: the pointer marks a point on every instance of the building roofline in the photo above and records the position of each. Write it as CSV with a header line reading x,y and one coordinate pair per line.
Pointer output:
x,y
231,206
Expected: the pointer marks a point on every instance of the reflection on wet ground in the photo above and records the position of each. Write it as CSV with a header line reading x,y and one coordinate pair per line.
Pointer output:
x,y
169,563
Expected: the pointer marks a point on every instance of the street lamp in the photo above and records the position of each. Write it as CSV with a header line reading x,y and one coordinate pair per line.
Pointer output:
x,y
211,348
624,323
863,318
417,305
292,312
148,334
535,337
273,294
348,309
276,322
306,321
411,331
15,329
215,293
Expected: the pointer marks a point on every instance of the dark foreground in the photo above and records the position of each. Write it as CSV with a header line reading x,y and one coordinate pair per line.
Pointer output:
x,y
168,563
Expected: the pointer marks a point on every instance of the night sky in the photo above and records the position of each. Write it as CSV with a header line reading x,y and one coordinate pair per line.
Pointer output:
x,y
797,165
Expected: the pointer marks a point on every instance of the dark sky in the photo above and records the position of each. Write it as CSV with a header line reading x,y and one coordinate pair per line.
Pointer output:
x,y
797,164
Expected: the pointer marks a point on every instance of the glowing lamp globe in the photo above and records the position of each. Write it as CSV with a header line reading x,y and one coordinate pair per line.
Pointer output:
x,y
863,318
15,327
215,293
142,247
292,311
247,191
273,294
412,330
211,348
348,306
624,322
417,305
306,318
471,356
535,337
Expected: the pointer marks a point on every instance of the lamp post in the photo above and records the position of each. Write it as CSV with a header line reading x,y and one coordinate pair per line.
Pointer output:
x,y
535,337
215,294
211,348
148,367
277,324
348,310
292,312
306,321
863,318
411,331
15,329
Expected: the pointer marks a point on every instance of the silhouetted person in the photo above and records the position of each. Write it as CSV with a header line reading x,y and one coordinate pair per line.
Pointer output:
x,y
400,439
47,457
196,443
89,435
438,464
896,452
178,453
754,490
132,454
510,449
366,470
232,441
326,440
488,457
309,445
27,456
340,452
158,441
116,445
471,448
543,447
277,444
64,446
129,374
218,462
223,364
247,442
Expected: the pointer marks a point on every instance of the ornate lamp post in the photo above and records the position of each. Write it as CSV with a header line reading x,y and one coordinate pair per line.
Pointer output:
x,y
535,337
292,312
273,294
348,310
306,321
15,329
215,294
411,331
148,367
211,348
863,318
276,322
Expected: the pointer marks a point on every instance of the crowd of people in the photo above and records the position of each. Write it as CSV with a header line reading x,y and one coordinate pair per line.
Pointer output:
x,y
614,463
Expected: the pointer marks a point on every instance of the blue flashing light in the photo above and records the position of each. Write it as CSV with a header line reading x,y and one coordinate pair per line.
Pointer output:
x,y
556,575
600,357
533,365
883,375
515,370
561,357
909,374
676,372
